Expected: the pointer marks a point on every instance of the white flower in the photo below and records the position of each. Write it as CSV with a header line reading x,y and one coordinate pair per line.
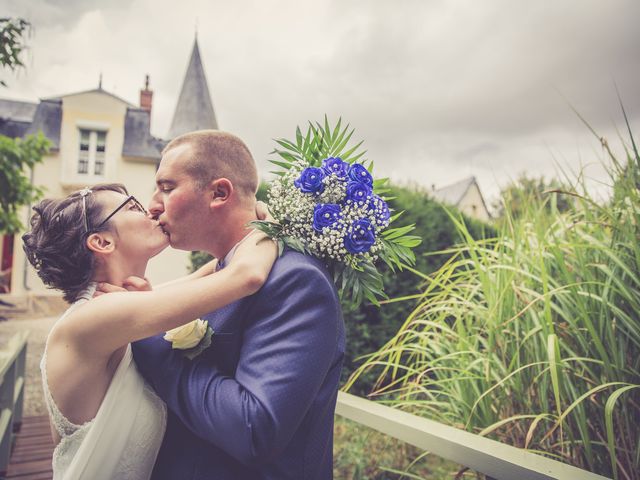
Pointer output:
x,y
187,336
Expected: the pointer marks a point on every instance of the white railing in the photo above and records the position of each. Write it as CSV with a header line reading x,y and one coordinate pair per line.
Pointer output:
x,y
12,375
495,459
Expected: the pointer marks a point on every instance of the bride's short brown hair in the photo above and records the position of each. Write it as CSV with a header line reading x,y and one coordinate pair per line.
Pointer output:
x,y
56,244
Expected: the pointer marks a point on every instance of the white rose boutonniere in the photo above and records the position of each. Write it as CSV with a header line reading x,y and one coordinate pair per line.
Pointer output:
x,y
193,337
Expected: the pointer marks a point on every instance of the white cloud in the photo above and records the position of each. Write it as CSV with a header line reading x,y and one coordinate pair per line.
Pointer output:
x,y
438,90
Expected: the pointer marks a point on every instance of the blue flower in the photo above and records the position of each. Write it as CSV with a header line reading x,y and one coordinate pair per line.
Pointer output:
x,y
358,192
380,210
361,236
360,174
326,215
335,165
310,180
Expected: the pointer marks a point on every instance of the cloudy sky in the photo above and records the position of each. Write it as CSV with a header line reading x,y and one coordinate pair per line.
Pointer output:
x,y
438,90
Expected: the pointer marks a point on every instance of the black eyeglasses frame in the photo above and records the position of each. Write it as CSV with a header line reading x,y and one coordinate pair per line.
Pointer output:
x,y
120,207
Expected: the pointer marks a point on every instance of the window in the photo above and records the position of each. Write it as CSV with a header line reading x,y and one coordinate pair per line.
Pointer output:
x,y
83,158
91,155
101,138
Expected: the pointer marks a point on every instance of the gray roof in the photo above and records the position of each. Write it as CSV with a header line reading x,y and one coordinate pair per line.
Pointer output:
x,y
453,194
23,118
48,120
13,129
194,110
15,117
138,141
16,110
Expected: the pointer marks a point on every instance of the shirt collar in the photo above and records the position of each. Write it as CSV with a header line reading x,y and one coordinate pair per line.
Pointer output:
x,y
227,258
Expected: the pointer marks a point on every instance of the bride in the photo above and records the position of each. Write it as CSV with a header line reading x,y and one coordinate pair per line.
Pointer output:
x,y
106,422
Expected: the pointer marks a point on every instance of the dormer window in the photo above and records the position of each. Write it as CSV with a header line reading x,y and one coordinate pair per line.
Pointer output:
x,y
91,154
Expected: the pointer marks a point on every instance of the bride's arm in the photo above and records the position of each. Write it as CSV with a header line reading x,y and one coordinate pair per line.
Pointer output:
x,y
108,322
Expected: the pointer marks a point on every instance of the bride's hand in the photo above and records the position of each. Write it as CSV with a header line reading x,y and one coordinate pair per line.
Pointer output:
x,y
254,258
131,284
137,284
262,212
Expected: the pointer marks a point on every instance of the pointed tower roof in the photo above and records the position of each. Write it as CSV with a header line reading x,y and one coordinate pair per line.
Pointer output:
x,y
194,110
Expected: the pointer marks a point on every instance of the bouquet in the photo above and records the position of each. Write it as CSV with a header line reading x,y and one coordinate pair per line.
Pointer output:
x,y
326,203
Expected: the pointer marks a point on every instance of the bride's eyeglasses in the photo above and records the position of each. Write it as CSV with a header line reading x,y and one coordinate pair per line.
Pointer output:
x,y
130,200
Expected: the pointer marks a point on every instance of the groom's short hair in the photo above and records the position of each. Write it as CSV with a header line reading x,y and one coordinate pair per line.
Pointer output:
x,y
216,154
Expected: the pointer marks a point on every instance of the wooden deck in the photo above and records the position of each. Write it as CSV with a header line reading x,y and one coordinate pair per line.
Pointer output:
x,y
32,451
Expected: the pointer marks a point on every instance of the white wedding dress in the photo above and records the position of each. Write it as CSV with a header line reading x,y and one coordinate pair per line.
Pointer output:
x,y
122,441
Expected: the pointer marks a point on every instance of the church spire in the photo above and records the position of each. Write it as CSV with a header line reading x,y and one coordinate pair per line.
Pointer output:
x,y
194,110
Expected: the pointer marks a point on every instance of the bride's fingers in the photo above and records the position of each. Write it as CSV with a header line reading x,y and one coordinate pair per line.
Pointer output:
x,y
136,284
104,287
262,212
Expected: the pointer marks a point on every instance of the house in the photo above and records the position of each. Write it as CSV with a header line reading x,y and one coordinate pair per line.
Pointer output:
x,y
98,137
466,196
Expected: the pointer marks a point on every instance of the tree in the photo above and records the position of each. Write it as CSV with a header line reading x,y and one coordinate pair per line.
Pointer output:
x,y
16,155
12,35
16,189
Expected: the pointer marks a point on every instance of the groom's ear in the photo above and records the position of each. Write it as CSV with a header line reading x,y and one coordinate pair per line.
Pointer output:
x,y
221,190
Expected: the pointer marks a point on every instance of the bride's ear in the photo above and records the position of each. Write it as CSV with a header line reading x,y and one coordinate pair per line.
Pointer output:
x,y
101,242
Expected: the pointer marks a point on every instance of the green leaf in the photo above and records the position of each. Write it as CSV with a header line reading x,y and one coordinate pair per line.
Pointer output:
x,y
336,130
204,343
284,165
347,155
392,233
287,145
299,139
337,148
553,350
608,413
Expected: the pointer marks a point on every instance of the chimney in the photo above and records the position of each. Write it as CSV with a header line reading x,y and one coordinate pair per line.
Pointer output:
x,y
146,96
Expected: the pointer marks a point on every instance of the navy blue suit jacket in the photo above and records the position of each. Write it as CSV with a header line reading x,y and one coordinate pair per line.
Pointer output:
x,y
259,402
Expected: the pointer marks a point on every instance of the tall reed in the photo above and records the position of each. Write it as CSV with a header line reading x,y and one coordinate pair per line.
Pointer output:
x,y
533,338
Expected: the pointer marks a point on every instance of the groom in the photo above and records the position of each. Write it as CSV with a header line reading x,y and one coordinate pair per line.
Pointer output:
x,y
259,402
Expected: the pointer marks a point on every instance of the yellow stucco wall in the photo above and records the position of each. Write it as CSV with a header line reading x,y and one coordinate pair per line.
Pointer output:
x,y
58,175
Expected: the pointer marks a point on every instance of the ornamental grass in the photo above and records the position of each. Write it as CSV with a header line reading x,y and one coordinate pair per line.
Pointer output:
x,y
533,338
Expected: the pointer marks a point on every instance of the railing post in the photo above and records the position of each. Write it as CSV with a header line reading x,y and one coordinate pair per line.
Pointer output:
x,y
12,378
7,392
18,400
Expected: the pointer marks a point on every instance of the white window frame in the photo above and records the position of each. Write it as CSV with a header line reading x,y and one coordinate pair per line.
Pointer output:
x,y
93,156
